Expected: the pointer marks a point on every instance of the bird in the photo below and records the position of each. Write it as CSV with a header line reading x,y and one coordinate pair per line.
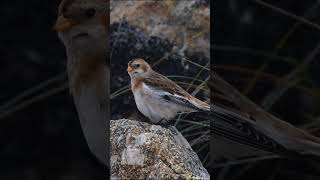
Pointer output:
x,y
83,27
237,121
157,97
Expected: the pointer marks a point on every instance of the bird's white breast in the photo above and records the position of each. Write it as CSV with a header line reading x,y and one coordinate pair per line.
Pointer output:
x,y
150,103
93,121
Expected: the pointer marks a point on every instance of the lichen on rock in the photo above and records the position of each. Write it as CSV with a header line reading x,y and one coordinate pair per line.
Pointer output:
x,y
143,151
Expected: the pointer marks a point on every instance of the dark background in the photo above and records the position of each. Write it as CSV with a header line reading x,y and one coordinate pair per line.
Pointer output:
x,y
249,38
42,140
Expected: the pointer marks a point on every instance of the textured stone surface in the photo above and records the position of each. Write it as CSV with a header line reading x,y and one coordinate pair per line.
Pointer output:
x,y
144,151
187,23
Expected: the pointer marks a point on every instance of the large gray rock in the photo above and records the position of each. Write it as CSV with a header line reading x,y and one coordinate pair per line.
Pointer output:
x,y
143,151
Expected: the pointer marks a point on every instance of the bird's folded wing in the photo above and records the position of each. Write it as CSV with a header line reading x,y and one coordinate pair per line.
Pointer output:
x,y
231,123
183,101
231,126
232,106
162,83
170,91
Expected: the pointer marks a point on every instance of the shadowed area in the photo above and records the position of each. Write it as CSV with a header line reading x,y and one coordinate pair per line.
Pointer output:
x,y
40,138
269,51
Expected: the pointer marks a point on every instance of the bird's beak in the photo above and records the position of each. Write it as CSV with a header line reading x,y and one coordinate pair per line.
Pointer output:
x,y
63,24
129,69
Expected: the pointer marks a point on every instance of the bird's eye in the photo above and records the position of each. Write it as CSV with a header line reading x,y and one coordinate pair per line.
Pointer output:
x,y
136,65
90,12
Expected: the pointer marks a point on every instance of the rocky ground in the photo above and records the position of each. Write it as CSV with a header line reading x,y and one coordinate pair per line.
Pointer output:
x,y
144,151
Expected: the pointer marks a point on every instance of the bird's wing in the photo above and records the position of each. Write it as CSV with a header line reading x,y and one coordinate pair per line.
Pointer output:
x,y
235,127
232,106
234,138
170,91
160,82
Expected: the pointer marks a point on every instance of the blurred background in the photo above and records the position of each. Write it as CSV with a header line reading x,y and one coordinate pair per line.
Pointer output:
x,y
269,50
40,134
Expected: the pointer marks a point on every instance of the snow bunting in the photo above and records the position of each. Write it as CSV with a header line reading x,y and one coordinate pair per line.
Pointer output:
x,y
82,25
157,97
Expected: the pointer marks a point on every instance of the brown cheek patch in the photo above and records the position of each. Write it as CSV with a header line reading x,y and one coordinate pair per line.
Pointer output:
x,y
63,24
137,83
129,69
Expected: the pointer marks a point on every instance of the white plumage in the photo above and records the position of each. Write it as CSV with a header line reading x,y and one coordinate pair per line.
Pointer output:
x,y
157,97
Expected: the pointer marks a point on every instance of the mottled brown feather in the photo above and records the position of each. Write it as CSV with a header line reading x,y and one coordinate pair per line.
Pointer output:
x,y
161,82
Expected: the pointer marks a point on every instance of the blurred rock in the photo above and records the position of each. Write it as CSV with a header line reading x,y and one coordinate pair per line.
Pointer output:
x,y
187,23
143,151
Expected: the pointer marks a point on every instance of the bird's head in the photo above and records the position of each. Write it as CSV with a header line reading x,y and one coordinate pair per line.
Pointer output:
x,y
83,25
138,68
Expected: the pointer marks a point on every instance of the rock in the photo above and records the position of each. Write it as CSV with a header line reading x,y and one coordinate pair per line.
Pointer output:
x,y
143,151
187,23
